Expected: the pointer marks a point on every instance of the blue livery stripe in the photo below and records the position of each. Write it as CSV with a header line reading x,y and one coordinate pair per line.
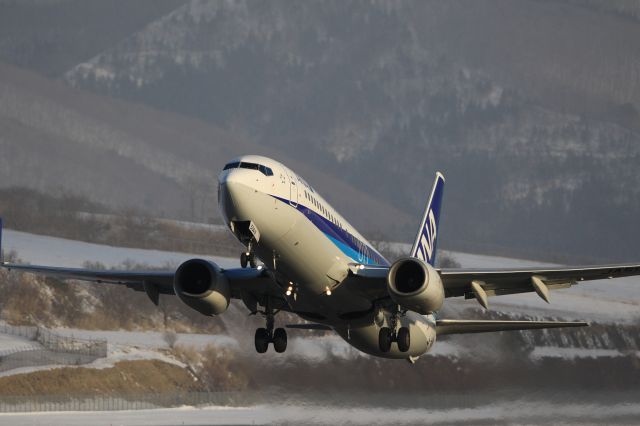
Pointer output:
x,y
346,242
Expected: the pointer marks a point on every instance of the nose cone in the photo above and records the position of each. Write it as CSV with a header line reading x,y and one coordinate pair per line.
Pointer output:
x,y
225,202
231,193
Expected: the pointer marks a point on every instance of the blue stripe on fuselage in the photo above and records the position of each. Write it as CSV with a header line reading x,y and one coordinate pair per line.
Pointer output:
x,y
346,242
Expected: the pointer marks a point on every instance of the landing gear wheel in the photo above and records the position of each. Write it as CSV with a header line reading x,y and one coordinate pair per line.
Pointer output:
x,y
403,339
385,337
252,260
243,260
262,340
280,340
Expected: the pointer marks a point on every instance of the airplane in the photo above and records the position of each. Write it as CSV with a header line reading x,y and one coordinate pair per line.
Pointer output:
x,y
319,267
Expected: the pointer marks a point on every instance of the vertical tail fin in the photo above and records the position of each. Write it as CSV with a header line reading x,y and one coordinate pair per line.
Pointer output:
x,y
424,247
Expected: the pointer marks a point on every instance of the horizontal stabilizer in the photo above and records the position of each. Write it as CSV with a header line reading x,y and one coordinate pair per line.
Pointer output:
x,y
473,326
309,326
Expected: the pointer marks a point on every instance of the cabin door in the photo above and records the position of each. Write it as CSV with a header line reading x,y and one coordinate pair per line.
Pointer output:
x,y
293,185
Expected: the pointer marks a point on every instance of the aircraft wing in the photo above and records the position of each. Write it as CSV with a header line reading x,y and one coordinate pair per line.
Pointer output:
x,y
255,281
473,282
480,283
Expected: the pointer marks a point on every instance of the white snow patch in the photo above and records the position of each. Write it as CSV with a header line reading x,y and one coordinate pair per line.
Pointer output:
x,y
444,349
572,353
529,411
52,251
10,344
147,339
116,354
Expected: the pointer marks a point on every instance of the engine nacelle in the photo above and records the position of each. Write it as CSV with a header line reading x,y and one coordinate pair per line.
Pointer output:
x,y
415,285
201,285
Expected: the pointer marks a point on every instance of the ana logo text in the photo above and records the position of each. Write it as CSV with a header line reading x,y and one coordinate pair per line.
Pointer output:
x,y
428,238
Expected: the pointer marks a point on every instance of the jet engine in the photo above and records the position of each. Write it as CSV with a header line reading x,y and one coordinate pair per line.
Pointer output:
x,y
415,285
201,285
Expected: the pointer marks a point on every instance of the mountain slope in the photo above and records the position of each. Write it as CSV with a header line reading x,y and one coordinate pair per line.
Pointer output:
x,y
529,107
49,36
58,139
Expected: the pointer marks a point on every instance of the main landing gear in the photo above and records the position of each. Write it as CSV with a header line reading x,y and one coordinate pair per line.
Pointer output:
x,y
388,335
248,258
267,335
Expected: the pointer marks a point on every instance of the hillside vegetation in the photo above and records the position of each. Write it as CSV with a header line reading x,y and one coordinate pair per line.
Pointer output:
x,y
34,300
125,377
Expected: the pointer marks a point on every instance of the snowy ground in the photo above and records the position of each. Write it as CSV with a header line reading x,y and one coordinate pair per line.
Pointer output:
x,y
607,300
146,339
527,411
52,251
9,344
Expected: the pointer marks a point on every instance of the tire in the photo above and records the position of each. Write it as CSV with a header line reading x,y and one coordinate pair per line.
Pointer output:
x,y
252,261
384,339
262,340
243,260
404,339
280,340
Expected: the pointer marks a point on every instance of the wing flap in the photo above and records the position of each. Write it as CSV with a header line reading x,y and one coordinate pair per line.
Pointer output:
x,y
446,326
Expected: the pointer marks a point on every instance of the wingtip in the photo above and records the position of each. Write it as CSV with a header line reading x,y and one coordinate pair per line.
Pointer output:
x,y
440,175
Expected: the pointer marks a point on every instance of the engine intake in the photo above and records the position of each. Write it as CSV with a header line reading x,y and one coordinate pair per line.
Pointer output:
x,y
201,285
415,285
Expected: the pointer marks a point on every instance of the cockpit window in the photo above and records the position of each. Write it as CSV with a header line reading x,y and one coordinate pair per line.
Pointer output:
x,y
251,166
266,170
231,166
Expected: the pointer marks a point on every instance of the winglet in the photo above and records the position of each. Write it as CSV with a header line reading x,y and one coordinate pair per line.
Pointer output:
x,y
424,247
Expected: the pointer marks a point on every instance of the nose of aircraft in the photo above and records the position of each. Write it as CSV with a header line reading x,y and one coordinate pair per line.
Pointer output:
x,y
226,190
231,190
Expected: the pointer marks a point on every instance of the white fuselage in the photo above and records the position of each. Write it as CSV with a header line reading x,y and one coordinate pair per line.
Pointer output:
x,y
309,246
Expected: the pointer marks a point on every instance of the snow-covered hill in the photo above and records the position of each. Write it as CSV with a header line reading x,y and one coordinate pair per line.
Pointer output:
x,y
606,300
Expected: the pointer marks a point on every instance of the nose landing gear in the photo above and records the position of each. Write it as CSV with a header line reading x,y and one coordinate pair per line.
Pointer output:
x,y
248,258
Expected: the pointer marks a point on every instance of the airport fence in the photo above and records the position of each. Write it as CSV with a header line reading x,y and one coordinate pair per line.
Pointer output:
x,y
48,348
40,403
